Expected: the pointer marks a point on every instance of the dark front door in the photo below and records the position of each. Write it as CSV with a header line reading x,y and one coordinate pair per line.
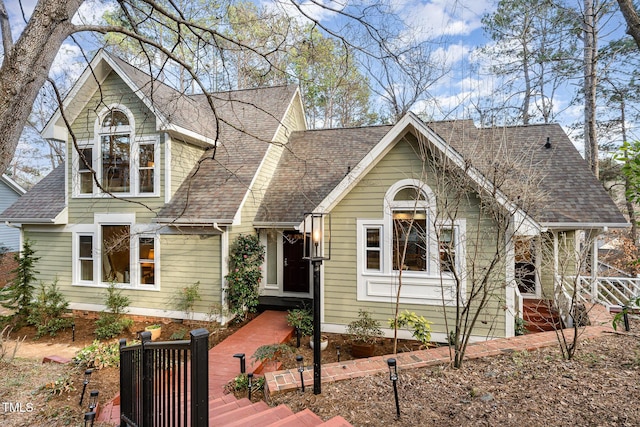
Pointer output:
x,y
296,269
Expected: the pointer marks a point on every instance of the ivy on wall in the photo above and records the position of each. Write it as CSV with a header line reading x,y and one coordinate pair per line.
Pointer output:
x,y
245,273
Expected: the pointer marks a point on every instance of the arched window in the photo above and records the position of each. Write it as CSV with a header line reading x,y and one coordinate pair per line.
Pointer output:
x,y
409,207
115,144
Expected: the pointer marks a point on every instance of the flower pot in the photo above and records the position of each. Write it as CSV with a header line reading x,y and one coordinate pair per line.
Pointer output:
x,y
324,342
361,349
155,330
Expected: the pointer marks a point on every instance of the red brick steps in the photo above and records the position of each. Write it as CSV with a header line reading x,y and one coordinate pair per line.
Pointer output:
x,y
539,316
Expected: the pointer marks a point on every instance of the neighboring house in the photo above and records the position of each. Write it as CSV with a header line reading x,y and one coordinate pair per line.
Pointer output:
x,y
10,191
188,182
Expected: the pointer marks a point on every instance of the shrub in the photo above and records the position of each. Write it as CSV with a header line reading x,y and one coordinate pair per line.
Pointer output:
x,y
98,355
186,298
301,319
364,329
47,310
241,383
245,273
18,295
271,352
421,327
112,322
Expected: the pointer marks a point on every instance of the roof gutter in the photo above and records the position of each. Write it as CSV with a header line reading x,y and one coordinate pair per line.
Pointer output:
x,y
267,224
23,221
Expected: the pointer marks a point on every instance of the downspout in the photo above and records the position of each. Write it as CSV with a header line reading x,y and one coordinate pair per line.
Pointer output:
x,y
224,269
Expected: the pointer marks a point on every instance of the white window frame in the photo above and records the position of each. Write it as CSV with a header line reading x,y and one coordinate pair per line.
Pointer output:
x,y
428,287
135,142
77,261
136,231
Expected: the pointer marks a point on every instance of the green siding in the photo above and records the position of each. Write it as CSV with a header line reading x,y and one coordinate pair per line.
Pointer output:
x,y
187,260
114,90
183,158
365,201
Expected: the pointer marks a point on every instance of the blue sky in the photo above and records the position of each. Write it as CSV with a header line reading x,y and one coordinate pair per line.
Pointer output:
x,y
453,28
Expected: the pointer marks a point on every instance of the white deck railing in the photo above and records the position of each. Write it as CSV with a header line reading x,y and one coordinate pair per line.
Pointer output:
x,y
610,291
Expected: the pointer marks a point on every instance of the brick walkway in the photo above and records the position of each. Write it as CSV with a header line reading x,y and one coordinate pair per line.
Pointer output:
x,y
281,381
269,327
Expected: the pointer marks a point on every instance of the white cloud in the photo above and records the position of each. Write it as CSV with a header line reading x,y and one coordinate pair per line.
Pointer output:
x,y
429,20
68,62
91,12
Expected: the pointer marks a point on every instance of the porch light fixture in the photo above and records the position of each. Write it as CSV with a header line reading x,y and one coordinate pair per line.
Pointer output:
x,y
317,248
240,356
93,400
300,363
393,376
87,377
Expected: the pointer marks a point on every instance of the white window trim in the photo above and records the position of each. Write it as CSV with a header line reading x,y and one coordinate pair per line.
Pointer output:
x,y
75,251
418,287
136,231
134,146
75,182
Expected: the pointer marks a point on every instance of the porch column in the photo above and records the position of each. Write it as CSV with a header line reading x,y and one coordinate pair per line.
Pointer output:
x,y
594,263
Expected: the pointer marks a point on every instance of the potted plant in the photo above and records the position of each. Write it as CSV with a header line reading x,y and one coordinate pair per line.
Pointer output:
x,y
324,342
155,330
365,332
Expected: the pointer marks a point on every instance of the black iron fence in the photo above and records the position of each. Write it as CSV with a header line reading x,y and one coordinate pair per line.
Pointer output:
x,y
165,383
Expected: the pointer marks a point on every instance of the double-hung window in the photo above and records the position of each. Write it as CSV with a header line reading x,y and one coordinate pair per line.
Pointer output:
x,y
115,143
85,175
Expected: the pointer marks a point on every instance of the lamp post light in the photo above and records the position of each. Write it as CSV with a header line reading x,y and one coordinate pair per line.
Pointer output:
x,y
243,367
87,377
393,376
300,363
317,248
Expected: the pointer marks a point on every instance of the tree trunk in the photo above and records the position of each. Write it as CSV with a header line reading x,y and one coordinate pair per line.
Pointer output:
x,y
631,17
590,82
26,68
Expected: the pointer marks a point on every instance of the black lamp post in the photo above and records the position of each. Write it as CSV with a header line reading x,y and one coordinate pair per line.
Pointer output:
x,y
393,376
317,248
300,363
87,377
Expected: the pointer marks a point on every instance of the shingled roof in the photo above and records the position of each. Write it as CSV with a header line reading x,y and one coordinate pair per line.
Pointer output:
x,y
313,164
567,193
41,204
219,183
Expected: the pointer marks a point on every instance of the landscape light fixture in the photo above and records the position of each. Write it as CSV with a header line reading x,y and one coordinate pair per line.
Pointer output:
x,y
393,376
87,377
317,248
300,363
338,352
93,400
73,332
250,384
89,418
243,367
